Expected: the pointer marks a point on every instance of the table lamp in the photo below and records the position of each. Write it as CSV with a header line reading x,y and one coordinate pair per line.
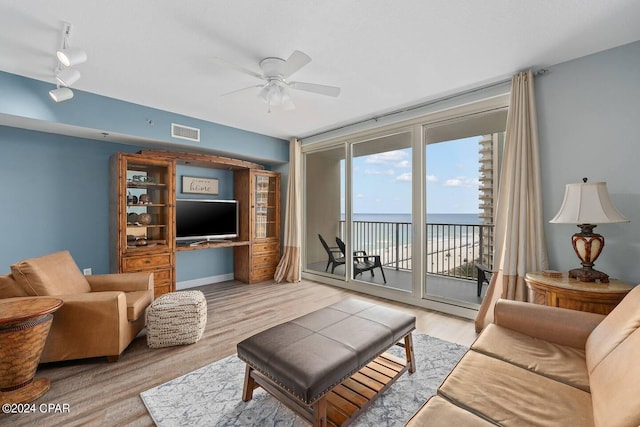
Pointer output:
x,y
587,204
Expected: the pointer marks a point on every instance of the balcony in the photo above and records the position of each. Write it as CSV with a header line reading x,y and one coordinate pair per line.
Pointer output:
x,y
452,250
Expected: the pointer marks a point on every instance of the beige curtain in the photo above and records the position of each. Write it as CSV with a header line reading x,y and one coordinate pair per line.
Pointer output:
x,y
290,268
520,244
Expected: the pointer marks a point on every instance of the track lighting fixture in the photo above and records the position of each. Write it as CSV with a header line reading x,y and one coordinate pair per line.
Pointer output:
x,y
67,55
61,94
66,76
71,56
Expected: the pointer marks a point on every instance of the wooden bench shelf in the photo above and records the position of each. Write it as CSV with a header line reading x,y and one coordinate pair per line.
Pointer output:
x,y
211,245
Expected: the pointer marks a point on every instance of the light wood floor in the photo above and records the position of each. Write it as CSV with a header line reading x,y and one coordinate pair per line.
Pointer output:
x,y
107,394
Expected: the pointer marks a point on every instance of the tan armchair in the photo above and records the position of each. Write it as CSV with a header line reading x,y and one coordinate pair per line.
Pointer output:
x,y
101,314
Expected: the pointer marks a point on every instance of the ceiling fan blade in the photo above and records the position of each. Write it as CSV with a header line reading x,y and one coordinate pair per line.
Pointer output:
x,y
237,67
315,88
241,90
296,61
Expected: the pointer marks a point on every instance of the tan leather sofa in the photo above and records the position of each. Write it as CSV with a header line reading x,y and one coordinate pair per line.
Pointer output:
x,y
101,314
545,366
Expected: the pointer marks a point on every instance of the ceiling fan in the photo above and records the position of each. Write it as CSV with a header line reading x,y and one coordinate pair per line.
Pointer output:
x,y
275,74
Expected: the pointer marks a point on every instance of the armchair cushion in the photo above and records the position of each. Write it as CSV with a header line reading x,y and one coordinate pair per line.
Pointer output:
x,y
9,288
137,303
138,289
53,274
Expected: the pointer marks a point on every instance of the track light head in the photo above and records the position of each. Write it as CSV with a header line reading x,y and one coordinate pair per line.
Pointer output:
x,y
67,76
61,94
71,56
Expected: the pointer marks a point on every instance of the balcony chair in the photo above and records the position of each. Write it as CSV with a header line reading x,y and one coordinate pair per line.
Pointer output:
x,y
100,314
335,256
482,276
363,262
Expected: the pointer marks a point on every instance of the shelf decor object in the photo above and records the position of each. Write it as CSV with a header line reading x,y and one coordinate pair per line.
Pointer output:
x,y
196,185
587,204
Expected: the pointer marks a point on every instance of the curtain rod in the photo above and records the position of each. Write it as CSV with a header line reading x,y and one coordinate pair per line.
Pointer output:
x,y
540,72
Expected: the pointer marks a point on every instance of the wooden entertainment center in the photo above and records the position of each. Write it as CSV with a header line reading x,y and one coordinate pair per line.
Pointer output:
x,y
142,204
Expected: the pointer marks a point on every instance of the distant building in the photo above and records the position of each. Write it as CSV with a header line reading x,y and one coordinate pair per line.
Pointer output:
x,y
490,150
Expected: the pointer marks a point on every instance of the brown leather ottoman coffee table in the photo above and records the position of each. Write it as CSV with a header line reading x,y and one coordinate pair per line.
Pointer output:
x,y
329,365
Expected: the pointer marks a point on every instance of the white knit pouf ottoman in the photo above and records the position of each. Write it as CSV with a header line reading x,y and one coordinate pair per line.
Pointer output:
x,y
176,318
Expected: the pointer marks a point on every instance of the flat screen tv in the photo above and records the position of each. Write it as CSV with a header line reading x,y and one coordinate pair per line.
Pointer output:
x,y
205,220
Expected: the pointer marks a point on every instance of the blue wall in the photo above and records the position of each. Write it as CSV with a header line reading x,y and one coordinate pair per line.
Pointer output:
x,y
28,98
55,189
55,195
589,126
197,264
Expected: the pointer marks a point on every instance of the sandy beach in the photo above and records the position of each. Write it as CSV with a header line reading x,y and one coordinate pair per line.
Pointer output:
x,y
441,256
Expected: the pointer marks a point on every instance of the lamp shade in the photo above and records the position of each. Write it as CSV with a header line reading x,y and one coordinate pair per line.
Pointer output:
x,y
71,56
61,94
67,76
587,203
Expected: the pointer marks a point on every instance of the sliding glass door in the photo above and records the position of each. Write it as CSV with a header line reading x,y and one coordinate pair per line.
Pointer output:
x,y
462,164
406,211
381,206
324,219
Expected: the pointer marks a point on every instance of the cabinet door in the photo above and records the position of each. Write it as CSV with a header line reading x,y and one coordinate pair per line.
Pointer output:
x,y
266,206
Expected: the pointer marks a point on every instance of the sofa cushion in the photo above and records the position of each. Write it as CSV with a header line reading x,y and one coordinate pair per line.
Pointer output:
x,y
9,288
559,362
513,396
615,385
53,274
439,412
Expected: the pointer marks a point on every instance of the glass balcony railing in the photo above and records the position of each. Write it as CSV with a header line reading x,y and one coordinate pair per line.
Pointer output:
x,y
452,250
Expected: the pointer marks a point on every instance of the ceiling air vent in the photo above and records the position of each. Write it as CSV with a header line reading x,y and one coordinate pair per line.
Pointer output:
x,y
185,132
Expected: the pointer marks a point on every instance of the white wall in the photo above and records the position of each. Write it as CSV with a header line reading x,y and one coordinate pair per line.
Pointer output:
x,y
589,124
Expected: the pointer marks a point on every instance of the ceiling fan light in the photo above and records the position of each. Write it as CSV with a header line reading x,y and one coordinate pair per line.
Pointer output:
x,y
71,56
274,94
67,76
61,94
264,94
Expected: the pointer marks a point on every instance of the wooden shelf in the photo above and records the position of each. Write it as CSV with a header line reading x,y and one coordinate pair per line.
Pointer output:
x,y
211,245
145,185
157,255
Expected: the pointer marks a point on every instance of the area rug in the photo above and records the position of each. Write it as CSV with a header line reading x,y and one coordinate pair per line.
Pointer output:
x,y
211,395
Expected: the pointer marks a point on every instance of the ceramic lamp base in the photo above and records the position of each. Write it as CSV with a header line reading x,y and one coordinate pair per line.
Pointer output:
x,y
588,246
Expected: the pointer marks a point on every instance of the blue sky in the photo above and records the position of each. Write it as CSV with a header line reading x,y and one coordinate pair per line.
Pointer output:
x,y
382,182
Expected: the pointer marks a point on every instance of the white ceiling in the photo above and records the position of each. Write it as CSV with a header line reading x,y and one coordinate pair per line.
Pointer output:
x,y
384,55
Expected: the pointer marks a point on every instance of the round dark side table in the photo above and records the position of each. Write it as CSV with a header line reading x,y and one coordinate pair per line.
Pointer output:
x,y
24,326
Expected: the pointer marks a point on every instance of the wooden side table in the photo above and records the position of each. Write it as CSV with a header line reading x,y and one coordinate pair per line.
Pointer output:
x,y
24,326
570,293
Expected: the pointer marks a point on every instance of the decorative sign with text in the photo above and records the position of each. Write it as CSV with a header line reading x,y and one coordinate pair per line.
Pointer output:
x,y
195,185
